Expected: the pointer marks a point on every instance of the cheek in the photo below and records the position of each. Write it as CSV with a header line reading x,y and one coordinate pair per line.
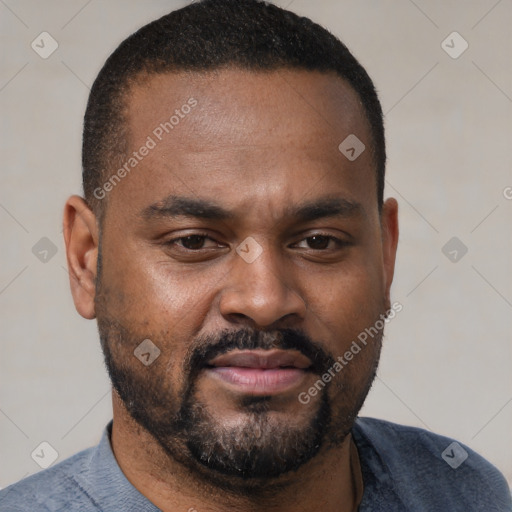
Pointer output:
x,y
143,290
343,304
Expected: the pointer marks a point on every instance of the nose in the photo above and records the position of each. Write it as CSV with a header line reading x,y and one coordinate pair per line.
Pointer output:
x,y
262,293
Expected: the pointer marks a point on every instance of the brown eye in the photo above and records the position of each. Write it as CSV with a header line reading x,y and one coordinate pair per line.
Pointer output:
x,y
322,242
318,242
193,242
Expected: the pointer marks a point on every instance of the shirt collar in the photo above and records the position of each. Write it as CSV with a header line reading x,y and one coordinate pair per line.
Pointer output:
x,y
105,484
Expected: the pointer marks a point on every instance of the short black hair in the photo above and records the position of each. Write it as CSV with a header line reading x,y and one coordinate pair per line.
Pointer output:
x,y
204,36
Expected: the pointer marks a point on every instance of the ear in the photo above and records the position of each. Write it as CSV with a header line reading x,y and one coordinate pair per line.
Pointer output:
x,y
389,226
81,235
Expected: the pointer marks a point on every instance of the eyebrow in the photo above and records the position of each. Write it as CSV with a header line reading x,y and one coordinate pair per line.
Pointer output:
x,y
325,207
181,206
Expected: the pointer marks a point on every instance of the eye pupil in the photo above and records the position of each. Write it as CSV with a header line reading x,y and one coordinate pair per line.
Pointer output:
x,y
193,241
318,242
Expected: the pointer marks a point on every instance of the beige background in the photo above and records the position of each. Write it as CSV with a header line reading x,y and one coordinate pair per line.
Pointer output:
x,y
447,358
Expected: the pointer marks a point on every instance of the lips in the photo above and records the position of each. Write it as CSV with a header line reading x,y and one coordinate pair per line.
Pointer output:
x,y
263,359
260,372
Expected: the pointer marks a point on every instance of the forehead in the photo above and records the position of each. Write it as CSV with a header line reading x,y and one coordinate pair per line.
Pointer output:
x,y
237,103
258,131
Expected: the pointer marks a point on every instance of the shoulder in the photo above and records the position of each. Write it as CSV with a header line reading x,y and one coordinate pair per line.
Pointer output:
x,y
53,489
428,470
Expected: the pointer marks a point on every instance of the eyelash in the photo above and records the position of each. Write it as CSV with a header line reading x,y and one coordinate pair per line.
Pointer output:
x,y
173,242
337,241
201,235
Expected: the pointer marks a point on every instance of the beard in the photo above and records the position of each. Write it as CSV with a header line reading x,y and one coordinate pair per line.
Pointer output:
x,y
264,443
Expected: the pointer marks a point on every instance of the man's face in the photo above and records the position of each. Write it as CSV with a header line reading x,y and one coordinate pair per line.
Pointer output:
x,y
249,250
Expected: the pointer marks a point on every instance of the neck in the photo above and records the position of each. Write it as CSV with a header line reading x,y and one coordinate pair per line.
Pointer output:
x,y
324,483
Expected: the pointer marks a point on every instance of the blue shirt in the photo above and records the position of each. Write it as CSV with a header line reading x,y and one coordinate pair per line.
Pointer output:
x,y
403,468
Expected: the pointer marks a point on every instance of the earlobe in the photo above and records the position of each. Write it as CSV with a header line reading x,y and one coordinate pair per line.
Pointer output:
x,y
81,236
390,232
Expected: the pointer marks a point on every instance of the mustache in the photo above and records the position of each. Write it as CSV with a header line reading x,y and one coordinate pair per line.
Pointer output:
x,y
212,345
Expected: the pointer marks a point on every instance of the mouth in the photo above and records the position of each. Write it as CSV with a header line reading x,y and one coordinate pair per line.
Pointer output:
x,y
260,372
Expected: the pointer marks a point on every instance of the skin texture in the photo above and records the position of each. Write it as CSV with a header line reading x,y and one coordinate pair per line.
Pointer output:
x,y
258,145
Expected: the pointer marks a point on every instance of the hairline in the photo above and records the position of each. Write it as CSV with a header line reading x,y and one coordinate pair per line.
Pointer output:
x,y
125,93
